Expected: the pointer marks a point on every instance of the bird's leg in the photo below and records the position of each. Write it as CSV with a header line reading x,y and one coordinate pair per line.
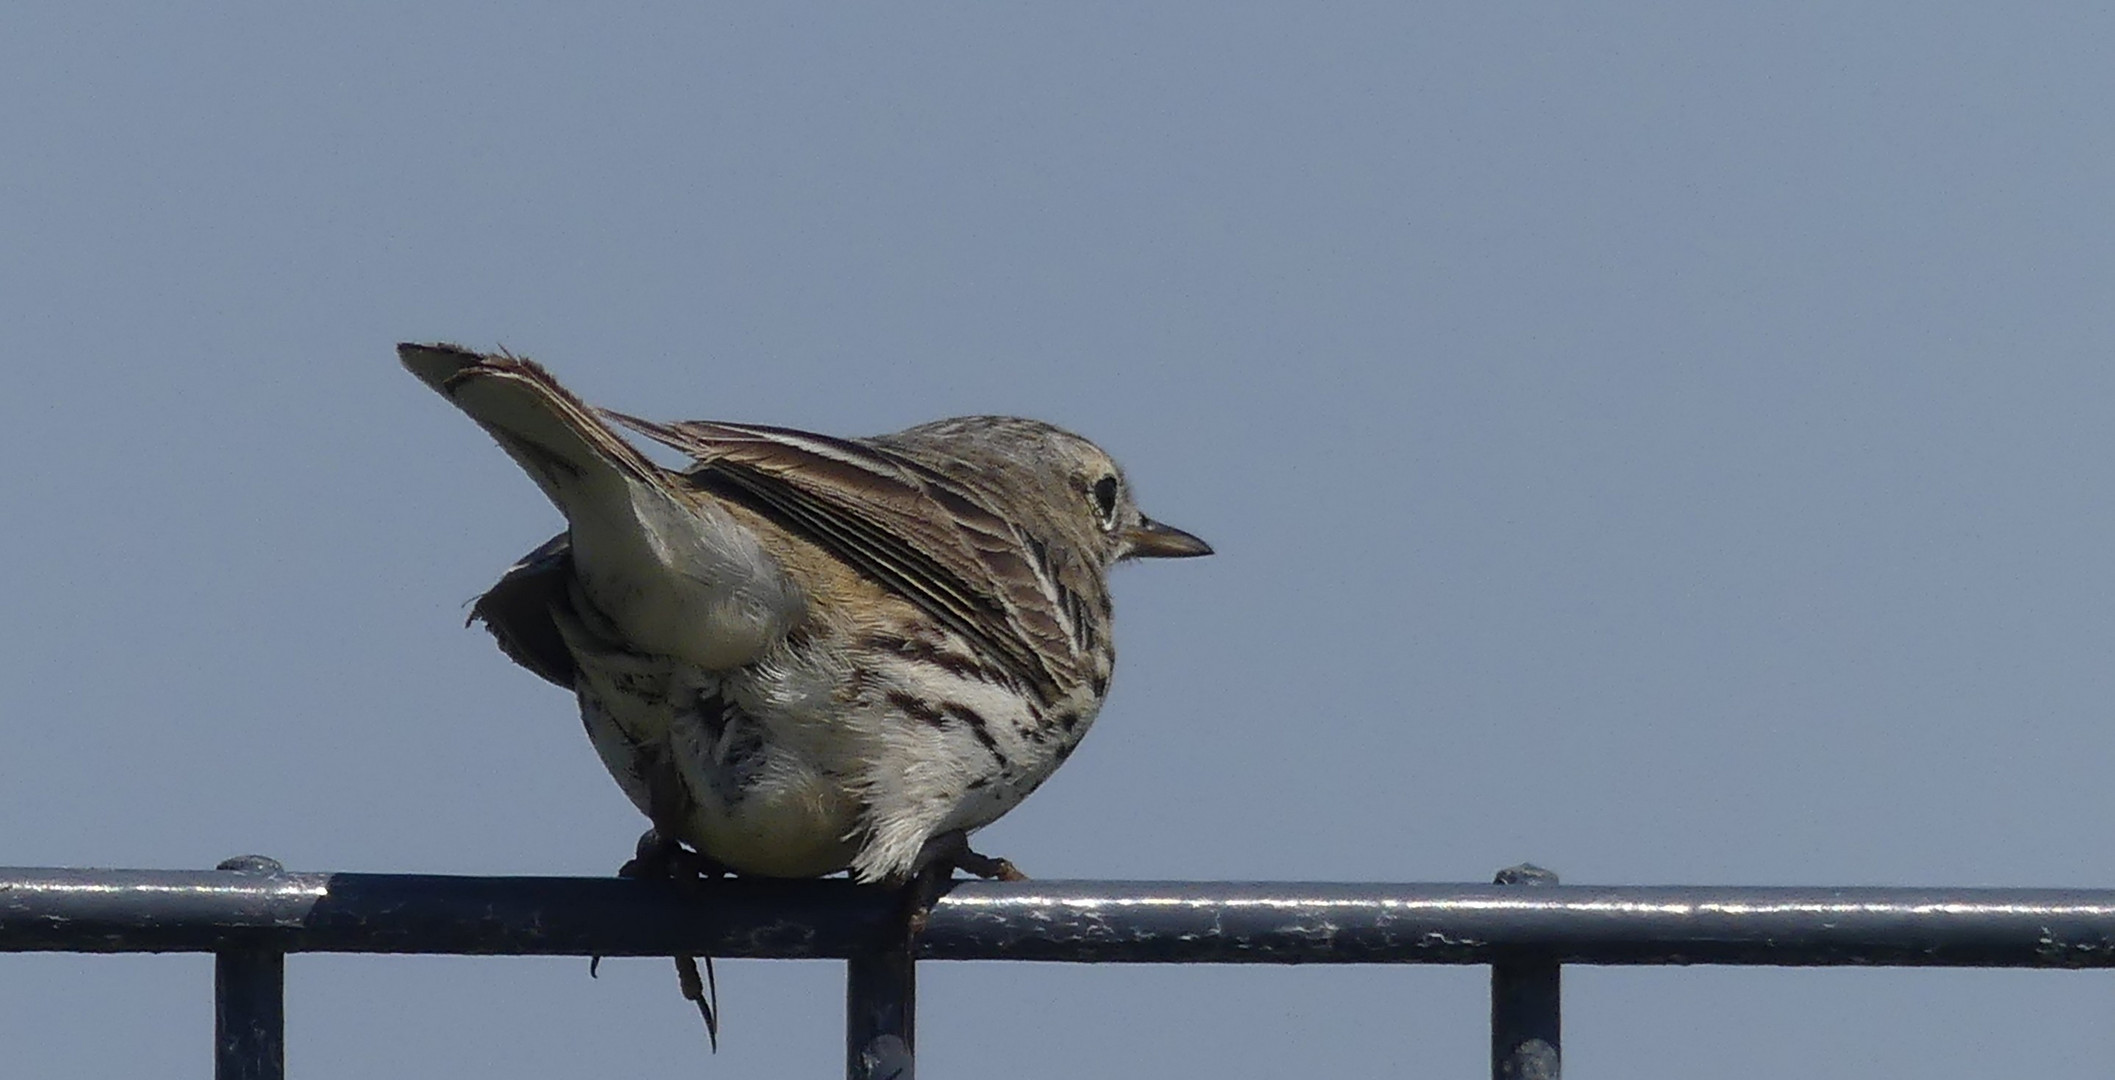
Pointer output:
x,y
659,858
937,863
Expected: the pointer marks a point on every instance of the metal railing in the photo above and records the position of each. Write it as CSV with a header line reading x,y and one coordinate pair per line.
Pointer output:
x,y
250,913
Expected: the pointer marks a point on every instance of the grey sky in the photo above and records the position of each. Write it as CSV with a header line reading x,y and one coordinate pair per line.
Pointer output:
x,y
1669,443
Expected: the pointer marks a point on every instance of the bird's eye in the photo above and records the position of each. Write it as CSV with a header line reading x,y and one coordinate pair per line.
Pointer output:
x,y
1105,501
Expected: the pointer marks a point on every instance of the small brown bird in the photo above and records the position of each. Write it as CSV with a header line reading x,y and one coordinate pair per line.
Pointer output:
x,y
806,654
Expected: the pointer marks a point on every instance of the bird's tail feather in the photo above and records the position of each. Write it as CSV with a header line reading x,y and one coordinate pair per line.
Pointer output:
x,y
556,438
675,575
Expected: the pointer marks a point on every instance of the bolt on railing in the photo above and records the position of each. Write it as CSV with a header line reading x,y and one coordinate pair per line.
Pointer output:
x,y
250,913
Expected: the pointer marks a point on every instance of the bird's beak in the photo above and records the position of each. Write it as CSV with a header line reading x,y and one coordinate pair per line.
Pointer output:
x,y
1152,540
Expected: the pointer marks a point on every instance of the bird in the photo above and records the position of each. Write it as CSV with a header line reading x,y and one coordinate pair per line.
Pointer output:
x,y
806,654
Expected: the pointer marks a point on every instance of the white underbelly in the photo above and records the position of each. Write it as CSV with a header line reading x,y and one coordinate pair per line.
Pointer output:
x,y
783,832
759,805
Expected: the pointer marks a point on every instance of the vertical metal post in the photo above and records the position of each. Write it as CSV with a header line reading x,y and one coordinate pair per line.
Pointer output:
x,y
1526,1003
249,1001
249,1014
881,1007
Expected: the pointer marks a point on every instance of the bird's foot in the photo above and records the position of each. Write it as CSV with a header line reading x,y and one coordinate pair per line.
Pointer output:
x,y
943,855
659,858
950,851
989,868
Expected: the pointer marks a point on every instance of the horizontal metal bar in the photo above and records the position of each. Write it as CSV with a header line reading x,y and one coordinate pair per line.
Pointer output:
x,y
1090,921
208,910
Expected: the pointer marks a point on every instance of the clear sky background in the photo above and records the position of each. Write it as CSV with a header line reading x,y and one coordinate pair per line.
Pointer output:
x,y
1666,442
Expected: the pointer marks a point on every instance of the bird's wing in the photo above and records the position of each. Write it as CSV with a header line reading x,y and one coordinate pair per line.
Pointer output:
x,y
517,610
933,540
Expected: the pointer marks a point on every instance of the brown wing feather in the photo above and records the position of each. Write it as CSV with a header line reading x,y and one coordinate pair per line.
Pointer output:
x,y
932,540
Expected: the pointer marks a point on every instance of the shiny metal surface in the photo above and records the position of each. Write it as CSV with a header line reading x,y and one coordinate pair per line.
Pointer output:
x,y
1079,921
250,913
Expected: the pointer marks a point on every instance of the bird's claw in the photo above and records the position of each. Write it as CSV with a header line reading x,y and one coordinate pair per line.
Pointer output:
x,y
657,858
704,993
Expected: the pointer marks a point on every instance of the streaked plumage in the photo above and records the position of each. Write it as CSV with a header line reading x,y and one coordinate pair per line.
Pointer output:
x,y
804,653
